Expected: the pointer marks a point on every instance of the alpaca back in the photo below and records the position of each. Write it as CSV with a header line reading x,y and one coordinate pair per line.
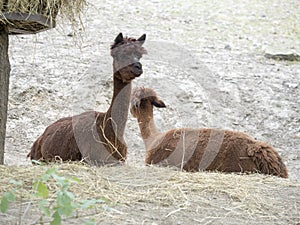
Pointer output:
x,y
232,154
58,140
214,150
220,150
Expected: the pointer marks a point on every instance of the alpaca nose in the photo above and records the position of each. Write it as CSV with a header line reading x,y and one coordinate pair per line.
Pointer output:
x,y
137,69
137,65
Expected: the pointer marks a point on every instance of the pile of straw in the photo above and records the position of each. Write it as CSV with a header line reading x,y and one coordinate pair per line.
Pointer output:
x,y
49,8
150,195
70,10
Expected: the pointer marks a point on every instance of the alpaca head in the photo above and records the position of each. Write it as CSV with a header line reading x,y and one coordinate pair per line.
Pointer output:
x,y
126,53
142,102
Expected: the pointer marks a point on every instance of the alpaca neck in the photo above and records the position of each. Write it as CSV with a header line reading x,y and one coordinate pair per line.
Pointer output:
x,y
148,129
117,113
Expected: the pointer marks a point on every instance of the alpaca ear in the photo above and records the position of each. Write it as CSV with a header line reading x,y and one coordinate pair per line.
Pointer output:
x,y
119,38
159,103
142,39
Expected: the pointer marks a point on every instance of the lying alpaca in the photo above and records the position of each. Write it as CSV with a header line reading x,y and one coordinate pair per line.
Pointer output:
x,y
201,149
95,136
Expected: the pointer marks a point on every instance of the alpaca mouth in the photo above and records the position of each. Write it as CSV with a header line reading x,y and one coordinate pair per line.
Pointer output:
x,y
137,69
136,72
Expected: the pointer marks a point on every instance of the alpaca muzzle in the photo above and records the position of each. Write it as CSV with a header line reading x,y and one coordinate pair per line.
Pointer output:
x,y
137,69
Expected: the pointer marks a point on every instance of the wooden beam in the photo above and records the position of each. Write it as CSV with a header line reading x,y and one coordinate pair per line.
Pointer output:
x,y
26,23
4,86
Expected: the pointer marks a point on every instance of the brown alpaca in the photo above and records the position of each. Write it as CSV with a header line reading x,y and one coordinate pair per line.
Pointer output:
x,y
201,149
97,137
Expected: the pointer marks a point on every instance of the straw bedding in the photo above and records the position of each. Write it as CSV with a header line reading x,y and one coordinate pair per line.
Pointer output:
x,y
148,195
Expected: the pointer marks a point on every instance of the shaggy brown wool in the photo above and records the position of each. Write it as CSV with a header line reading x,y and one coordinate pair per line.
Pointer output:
x,y
201,149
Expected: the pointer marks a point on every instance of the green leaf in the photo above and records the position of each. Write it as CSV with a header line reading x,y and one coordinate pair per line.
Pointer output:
x,y
61,180
41,189
87,204
18,183
56,219
4,204
9,196
65,210
69,194
49,172
44,207
75,179
63,199
36,162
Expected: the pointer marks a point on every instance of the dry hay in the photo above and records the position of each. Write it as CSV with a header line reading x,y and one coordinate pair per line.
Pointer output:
x,y
39,15
150,195
49,8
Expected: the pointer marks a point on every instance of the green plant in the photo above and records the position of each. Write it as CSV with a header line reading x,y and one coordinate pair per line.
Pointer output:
x,y
56,205
9,196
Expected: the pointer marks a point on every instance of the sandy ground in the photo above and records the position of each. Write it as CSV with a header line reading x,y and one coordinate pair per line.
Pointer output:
x,y
205,60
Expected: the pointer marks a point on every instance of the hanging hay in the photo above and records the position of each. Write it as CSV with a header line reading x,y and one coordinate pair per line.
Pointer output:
x,y
27,16
152,195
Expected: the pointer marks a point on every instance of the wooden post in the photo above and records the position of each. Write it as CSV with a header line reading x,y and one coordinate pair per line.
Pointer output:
x,y
4,85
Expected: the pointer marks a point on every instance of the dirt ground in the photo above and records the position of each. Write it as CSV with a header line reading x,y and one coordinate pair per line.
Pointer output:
x,y
205,60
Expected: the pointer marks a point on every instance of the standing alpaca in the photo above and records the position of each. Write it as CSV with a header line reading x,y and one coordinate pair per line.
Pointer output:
x,y
97,137
201,149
